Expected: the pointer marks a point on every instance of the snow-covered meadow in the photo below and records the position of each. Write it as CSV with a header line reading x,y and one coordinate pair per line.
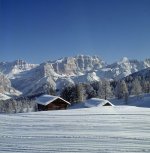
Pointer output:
x,y
94,130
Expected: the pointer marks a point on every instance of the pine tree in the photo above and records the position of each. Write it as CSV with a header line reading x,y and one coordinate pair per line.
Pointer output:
x,y
80,92
107,88
121,90
136,88
145,86
99,90
69,93
104,90
90,92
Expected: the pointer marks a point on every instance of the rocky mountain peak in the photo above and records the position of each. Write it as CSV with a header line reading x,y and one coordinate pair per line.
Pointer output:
x,y
31,78
12,68
124,60
147,62
77,65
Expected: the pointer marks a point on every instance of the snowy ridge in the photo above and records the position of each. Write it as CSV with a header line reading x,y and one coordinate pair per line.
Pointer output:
x,y
32,78
88,77
123,68
4,97
57,74
145,73
36,79
15,67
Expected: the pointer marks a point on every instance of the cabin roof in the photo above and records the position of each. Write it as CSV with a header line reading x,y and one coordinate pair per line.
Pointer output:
x,y
47,99
97,102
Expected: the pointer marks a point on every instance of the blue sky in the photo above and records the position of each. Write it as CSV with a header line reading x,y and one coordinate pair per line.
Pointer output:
x,y
39,30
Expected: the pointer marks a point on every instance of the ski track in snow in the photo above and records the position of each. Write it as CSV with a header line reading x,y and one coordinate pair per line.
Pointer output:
x,y
92,130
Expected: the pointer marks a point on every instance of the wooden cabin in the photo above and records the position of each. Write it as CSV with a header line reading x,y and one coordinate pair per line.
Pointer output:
x,y
96,102
49,102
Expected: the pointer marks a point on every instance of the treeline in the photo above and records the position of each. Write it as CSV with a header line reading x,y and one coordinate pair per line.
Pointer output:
x,y
18,105
105,89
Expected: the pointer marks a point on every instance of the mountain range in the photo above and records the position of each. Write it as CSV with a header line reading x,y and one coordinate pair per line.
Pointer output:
x,y
32,78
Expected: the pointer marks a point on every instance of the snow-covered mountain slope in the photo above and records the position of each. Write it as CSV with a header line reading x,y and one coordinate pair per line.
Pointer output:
x,y
36,80
88,77
145,74
30,78
10,69
123,68
4,97
43,77
58,73
91,130
6,90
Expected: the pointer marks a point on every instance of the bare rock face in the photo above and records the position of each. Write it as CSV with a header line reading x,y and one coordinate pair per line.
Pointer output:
x,y
65,66
78,64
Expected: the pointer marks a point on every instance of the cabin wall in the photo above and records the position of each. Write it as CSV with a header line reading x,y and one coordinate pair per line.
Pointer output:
x,y
107,104
57,104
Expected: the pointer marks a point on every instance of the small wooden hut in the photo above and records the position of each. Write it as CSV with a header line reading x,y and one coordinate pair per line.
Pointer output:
x,y
49,102
96,102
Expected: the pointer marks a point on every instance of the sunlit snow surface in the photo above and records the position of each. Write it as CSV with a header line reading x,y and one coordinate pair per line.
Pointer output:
x,y
89,130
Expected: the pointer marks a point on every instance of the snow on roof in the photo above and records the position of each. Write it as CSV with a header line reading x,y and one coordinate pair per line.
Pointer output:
x,y
96,102
47,99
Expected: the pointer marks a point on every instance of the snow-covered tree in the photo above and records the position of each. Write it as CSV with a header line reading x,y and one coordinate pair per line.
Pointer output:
x,y
99,89
136,87
121,90
69,94
80,92
18,105
145,86
90,92
107,89
104,90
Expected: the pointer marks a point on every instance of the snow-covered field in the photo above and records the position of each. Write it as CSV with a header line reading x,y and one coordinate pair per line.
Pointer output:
x,y
89,130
